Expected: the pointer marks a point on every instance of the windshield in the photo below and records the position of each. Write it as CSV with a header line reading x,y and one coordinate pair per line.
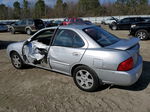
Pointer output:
x,y
102,37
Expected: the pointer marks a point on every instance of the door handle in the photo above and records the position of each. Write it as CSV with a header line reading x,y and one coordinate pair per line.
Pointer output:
x,y
75,54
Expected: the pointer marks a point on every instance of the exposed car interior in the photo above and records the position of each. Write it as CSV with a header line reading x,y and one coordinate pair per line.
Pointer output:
x,y
37,49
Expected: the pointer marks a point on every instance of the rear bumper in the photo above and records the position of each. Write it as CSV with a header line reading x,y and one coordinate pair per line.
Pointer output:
x,y
125,78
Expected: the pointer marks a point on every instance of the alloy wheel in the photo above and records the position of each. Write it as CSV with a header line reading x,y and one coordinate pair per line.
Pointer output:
x,y
141,35
84,79
16,61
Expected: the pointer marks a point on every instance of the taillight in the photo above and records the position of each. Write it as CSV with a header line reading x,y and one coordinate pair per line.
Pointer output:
x,y
126,65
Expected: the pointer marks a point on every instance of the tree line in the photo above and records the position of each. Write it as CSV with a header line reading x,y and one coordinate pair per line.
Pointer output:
x,y
82,8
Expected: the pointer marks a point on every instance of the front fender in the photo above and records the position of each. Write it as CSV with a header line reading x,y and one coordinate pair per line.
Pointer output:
x,y
17,47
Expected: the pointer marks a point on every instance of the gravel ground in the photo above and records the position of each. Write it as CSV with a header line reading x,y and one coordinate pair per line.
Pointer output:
x,y
37,90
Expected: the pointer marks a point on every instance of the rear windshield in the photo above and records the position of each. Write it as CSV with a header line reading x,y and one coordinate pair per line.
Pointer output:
x,y
102,37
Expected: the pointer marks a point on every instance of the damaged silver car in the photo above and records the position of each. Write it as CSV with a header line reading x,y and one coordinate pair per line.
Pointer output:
x,y
88,53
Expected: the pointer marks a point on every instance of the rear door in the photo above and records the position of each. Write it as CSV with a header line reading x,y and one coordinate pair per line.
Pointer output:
x,y
21,26
67,49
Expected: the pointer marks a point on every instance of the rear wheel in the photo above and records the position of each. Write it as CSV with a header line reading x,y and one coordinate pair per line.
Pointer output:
x,y
16,60
86,79
142,34
28,31
12,31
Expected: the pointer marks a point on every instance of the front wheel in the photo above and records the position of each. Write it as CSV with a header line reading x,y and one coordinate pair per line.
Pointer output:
x,y
16,60
114,27
86,79
142,34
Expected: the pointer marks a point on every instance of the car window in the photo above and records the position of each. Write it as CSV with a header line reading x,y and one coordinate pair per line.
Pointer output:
x,y
68,38
44,37
139,19
79,20
18,22
78,42
45,34
30,22
102,37
132,20
23,22
126,20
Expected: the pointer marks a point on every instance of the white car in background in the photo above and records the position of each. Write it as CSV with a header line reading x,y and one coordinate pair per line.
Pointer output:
x,y
109,20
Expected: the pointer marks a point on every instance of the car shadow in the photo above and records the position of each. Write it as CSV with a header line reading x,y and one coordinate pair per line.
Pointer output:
x,y
4,44
143,81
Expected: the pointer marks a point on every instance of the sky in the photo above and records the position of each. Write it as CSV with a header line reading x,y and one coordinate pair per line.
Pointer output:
x,y
48,2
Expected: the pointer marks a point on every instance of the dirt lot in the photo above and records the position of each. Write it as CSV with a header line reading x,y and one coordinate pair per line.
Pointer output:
x,y
37,90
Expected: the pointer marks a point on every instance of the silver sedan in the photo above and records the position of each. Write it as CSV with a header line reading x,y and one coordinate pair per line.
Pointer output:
x,y
88,53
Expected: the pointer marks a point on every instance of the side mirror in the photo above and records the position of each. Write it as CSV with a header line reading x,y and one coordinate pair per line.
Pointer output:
x,y
28,40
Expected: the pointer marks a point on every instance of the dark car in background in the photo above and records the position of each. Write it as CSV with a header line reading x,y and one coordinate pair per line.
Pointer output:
x,y
125,24
141,30
28,26
52,23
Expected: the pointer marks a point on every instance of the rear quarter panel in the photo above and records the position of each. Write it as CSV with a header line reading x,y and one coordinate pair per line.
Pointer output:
x,y
100,59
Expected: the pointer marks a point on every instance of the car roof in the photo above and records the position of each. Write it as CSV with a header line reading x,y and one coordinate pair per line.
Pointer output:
x,y
80,27
132,17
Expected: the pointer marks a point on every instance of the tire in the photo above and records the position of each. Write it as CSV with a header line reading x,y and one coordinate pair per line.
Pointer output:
x,y
86,79
16,60
28,31
12,31
142,34
114,27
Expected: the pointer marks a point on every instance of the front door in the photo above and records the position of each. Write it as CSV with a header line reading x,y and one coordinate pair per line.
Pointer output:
x,y
124,24
67,49
35,51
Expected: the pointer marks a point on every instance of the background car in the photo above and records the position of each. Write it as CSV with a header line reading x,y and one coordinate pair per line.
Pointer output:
x,y
88,53
125,24
68,21
28,26
82,23
3,28
109,20
141,30
52,23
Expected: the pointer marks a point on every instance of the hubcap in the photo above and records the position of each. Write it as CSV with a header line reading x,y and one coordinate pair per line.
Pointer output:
x,y
141,35
28,32
114,27
84,79
16,61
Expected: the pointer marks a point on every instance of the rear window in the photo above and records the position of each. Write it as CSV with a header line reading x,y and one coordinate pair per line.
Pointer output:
x,y
102,37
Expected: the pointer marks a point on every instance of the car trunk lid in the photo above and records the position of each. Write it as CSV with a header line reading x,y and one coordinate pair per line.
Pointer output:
x,y
124,44
131,46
